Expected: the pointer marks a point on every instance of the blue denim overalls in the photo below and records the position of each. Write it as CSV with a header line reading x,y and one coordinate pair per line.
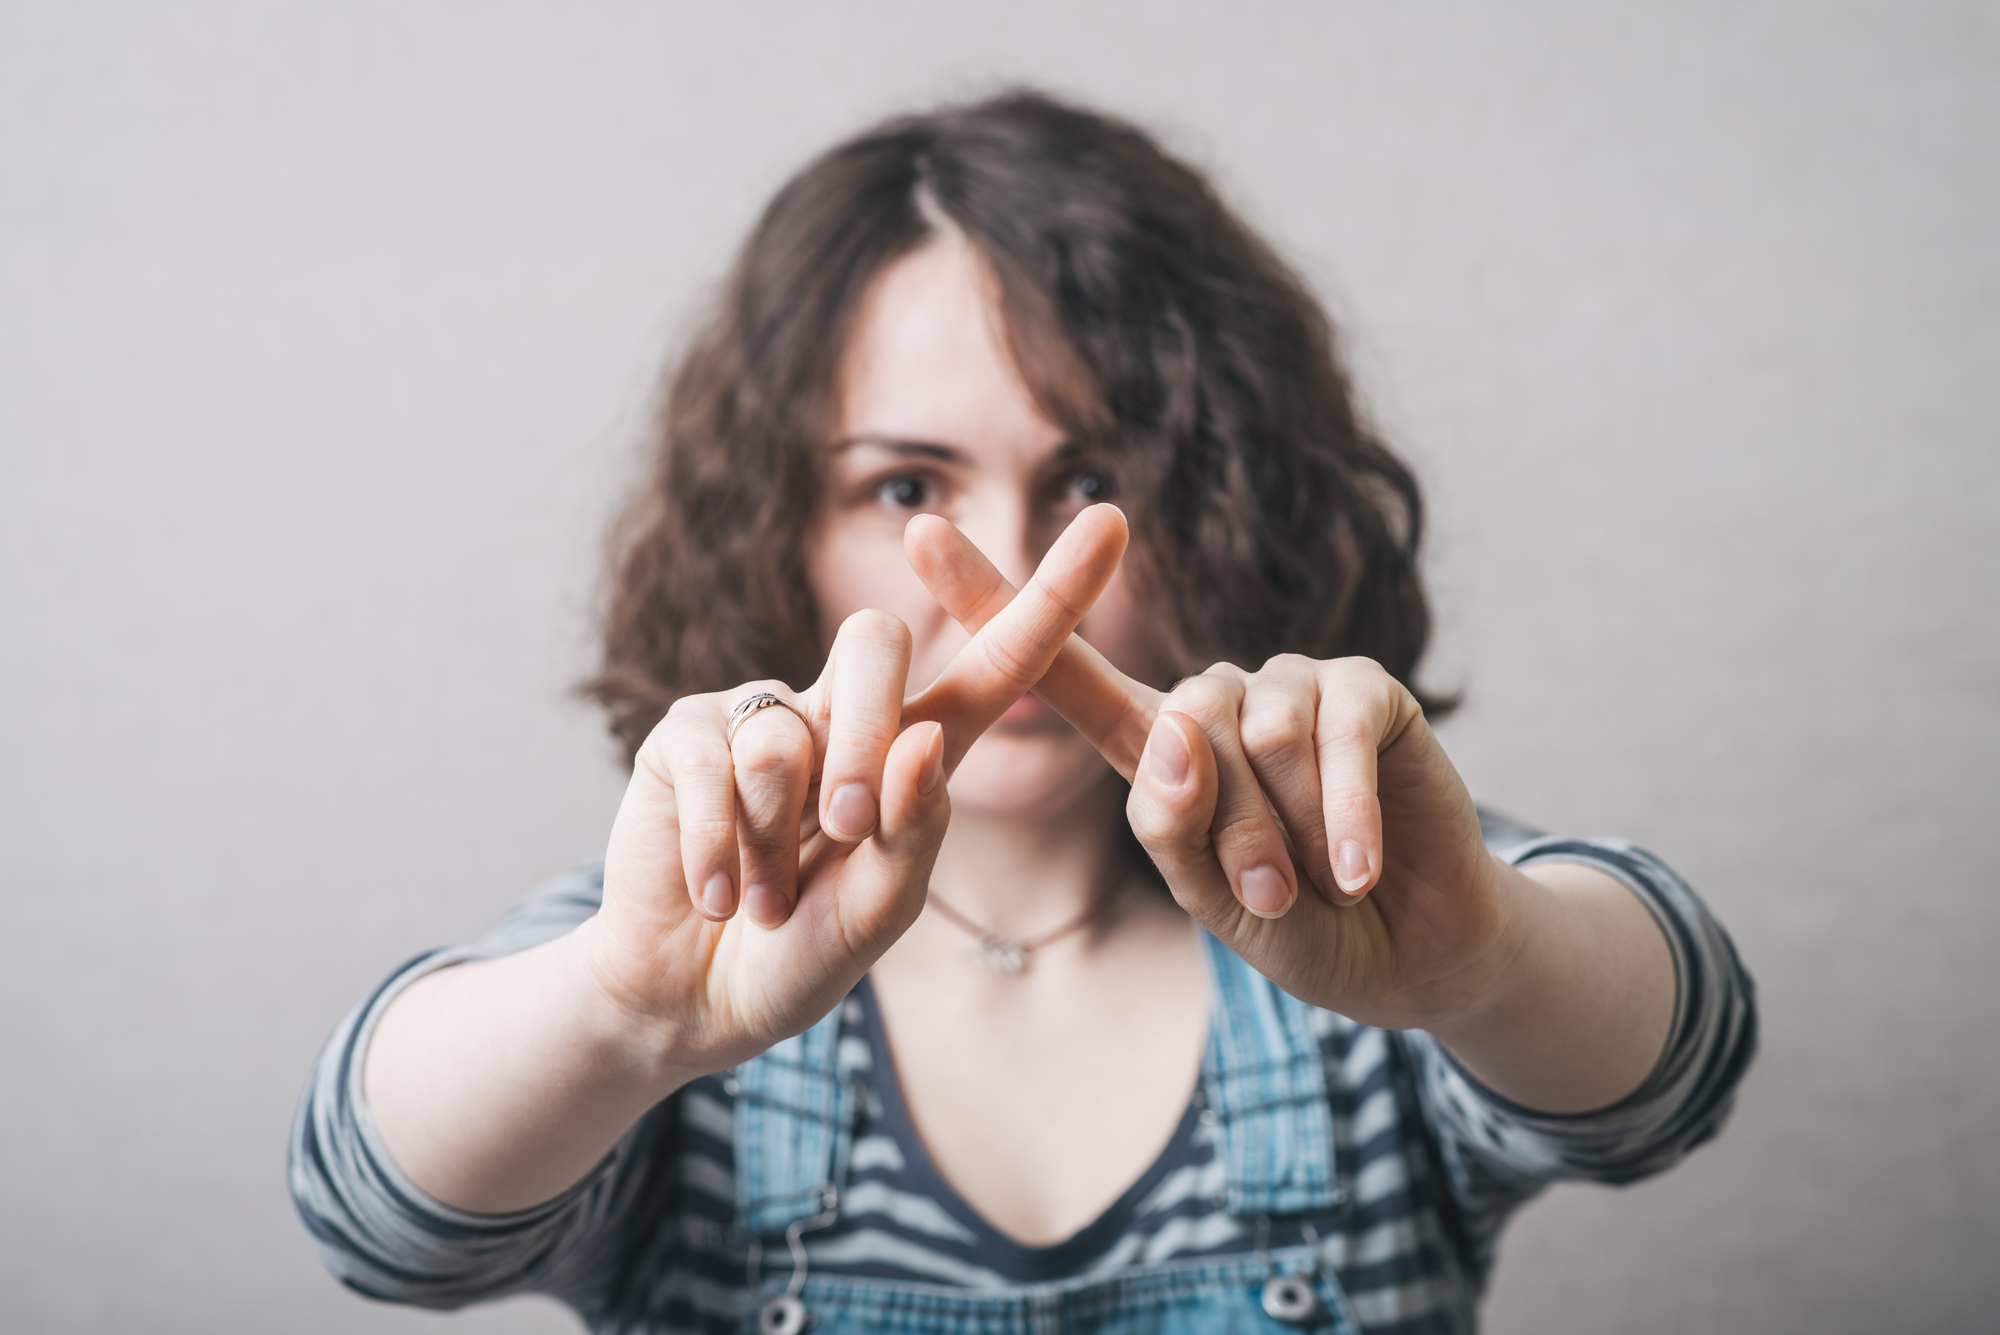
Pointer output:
x,y
1262,1077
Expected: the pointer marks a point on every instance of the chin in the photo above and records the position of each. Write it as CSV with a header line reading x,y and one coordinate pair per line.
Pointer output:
x,y
1024,774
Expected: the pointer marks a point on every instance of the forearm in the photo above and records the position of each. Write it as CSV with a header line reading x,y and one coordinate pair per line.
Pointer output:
x,y
1581,1000
498,1084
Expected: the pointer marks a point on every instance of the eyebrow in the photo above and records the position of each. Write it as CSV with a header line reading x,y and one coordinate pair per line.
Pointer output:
x,y
926,449
908,449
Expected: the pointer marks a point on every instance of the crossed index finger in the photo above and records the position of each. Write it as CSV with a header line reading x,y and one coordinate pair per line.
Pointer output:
x,y
1016,637
1022,641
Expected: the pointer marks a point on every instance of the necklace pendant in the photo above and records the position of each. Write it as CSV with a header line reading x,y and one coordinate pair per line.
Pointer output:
x,y
999,955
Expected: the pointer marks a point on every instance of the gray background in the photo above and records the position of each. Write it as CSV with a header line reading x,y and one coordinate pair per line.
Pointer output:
x,y
327,334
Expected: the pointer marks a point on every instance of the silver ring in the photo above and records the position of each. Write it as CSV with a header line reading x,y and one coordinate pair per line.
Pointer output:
x,y
762,700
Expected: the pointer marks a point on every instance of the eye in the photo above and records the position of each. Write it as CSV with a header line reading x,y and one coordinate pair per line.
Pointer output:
x,y
904,491
1090,488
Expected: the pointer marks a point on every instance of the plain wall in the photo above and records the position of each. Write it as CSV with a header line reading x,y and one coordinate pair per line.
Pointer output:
x,y
328,335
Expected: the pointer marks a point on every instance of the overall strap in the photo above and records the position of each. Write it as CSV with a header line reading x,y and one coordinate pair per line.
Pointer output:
x,y
794,1125
1264,1079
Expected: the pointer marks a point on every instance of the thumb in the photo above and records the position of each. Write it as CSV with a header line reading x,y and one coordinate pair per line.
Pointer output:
x,y
1172,809
893,866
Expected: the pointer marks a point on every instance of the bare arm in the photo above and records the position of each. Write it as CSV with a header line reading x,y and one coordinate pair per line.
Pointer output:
x,y
500,1083
1580,1013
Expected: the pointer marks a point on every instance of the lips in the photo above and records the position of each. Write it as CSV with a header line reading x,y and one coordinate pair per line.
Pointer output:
x,y
1027,709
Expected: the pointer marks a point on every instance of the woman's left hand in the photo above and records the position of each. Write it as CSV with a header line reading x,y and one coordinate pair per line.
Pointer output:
x,y
1247,786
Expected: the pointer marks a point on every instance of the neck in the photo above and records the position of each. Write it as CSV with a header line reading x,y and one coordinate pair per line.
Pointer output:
x,y
1016,876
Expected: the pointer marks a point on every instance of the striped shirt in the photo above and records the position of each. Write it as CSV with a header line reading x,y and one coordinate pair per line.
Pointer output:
x,y
1432,1163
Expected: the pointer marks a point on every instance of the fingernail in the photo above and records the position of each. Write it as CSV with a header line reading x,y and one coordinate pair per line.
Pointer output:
x,y
719,895
1167,754
933,763
1264,890
766,907
1350,869
850,813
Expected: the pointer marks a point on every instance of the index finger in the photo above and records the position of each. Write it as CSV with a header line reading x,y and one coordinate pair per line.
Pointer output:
x,y
1021,633
1114,712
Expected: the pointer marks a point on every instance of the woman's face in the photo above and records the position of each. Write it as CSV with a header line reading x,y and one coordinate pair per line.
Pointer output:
x,y
933,418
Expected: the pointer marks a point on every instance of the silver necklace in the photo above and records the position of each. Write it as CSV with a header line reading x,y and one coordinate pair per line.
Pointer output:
x,y
1004,954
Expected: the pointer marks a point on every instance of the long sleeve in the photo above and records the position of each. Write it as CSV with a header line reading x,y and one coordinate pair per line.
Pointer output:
x,y
383,1236
1433,1163
1496,1154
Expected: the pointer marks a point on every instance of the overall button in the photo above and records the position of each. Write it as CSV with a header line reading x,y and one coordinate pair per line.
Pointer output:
x,y
786,1315
1290,1299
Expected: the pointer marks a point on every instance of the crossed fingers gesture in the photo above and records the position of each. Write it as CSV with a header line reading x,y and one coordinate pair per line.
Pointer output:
x,y
756,872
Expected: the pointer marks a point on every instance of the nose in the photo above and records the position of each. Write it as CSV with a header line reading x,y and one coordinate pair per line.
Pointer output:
x,y
1004,529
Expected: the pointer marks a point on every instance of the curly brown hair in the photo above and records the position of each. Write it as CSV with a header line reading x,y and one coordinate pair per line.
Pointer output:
x,y
1146,320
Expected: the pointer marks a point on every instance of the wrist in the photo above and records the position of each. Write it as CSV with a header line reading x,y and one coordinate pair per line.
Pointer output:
x,y
1482,989
1581,1012
629,1039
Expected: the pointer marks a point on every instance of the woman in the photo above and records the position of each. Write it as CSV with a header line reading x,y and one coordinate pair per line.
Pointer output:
x,y
830,1040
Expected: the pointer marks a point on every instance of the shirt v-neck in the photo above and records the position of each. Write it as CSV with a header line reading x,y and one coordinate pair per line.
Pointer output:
x,y
1015,1260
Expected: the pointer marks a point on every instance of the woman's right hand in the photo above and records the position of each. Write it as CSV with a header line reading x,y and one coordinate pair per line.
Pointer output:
x,y
750,883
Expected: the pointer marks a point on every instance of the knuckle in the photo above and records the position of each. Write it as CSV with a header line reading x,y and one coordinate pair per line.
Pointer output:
x,y
1356,671
1342,731
1239,835
702,785
768,750
1275,731
680,750
765,823
1343,806
1208,699
1056,596
652,758
764,816
705,830
855,738
1010,659
873,624
763,844
684,719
